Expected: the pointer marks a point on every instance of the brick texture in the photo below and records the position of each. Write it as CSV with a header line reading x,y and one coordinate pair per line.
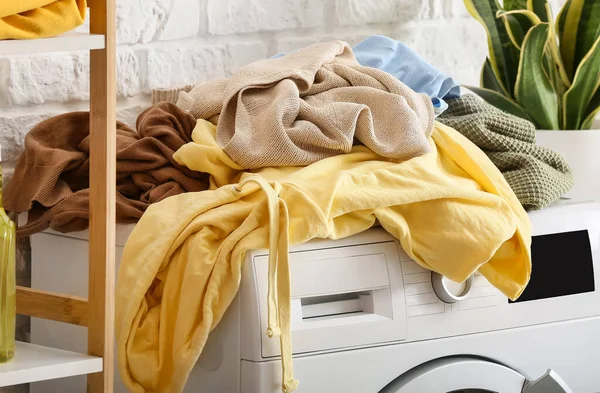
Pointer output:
x,y
245,16
359,12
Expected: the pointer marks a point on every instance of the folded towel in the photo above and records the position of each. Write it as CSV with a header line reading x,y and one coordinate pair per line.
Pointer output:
x,y
450,209
51,178
28,19
537,175
310,105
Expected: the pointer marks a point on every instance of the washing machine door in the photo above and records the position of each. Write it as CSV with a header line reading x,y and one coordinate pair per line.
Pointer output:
x,y
472,375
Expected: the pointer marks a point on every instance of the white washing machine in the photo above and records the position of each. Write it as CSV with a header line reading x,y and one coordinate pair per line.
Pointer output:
x,y
368,319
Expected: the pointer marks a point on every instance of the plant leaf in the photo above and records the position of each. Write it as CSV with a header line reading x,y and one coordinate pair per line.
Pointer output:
x,y
564,81
552,73
500,102
533,18
568,38
510,5
533,90
503,55
589,121
514,29
560,20
516,24
585,84
592,112
538,7
488,78
588,29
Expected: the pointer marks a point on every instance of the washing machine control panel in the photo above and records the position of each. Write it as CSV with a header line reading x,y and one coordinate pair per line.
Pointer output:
x,y
565,268
428,293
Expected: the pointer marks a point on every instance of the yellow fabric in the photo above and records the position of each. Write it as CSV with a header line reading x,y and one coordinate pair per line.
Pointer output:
x,y
451,210
29,19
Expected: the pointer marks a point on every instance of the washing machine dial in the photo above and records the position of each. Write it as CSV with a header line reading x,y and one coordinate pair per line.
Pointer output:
x,y
450,291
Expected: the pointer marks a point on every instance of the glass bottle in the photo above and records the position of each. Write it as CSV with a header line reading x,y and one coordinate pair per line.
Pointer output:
x,y
7,282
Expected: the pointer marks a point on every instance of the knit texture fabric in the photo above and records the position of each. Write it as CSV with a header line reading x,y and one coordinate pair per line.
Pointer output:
x,y
537,175
169,95
309,105
51,178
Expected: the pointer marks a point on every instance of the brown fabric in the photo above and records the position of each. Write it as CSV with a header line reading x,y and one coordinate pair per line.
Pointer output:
x,y
309,105
51,179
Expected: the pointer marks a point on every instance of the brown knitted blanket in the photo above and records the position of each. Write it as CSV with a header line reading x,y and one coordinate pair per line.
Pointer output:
x,y
51,179
309,105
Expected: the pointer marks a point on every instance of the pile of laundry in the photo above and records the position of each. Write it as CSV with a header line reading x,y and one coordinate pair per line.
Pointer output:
x,y
324,142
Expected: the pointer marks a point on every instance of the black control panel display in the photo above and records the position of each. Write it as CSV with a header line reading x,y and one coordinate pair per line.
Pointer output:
x,y
562,265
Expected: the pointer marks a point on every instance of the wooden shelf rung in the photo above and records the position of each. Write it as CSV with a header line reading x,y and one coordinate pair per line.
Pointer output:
x,y
65,42
53,306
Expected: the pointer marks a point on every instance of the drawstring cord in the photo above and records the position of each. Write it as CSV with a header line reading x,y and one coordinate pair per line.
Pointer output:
x,y
284,295
272,199
278,298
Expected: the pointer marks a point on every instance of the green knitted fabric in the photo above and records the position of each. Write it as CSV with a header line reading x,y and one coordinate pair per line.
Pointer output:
x,y
537,175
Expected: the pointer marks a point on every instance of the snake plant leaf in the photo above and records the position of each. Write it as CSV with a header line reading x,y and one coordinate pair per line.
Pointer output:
x,y
488,79
513,28
588,29
560,20
585,84
592,112
533,18
568,38
517,25
538,7
500,102
550,71
533,90
510,5
503,55
564,81
589,121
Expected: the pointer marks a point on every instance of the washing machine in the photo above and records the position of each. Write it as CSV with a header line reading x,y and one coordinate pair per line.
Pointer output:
x,y
368,319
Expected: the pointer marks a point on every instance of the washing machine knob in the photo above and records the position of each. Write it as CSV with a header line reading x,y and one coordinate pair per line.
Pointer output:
x,y
449,291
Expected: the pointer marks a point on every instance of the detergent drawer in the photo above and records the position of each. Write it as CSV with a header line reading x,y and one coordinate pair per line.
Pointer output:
x,y
341,297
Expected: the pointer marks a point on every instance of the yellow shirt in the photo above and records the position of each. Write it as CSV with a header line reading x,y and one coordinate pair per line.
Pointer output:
x,y
451,210
29,19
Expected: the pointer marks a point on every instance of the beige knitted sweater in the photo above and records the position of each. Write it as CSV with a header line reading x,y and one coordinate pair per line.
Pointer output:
x,y
312,104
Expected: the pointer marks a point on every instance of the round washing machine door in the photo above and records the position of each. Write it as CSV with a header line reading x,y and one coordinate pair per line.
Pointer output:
x,y
472,375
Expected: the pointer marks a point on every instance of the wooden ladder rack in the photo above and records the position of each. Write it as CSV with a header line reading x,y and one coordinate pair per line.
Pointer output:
x,y
35,363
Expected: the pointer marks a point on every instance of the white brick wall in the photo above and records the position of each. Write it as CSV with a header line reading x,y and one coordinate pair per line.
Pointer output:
x,y
164,43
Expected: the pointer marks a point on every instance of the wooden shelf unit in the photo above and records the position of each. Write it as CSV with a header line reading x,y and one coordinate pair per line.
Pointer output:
x,y
65,42
34,363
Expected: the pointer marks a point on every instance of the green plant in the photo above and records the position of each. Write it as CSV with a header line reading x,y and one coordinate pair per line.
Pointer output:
x,y
544,71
